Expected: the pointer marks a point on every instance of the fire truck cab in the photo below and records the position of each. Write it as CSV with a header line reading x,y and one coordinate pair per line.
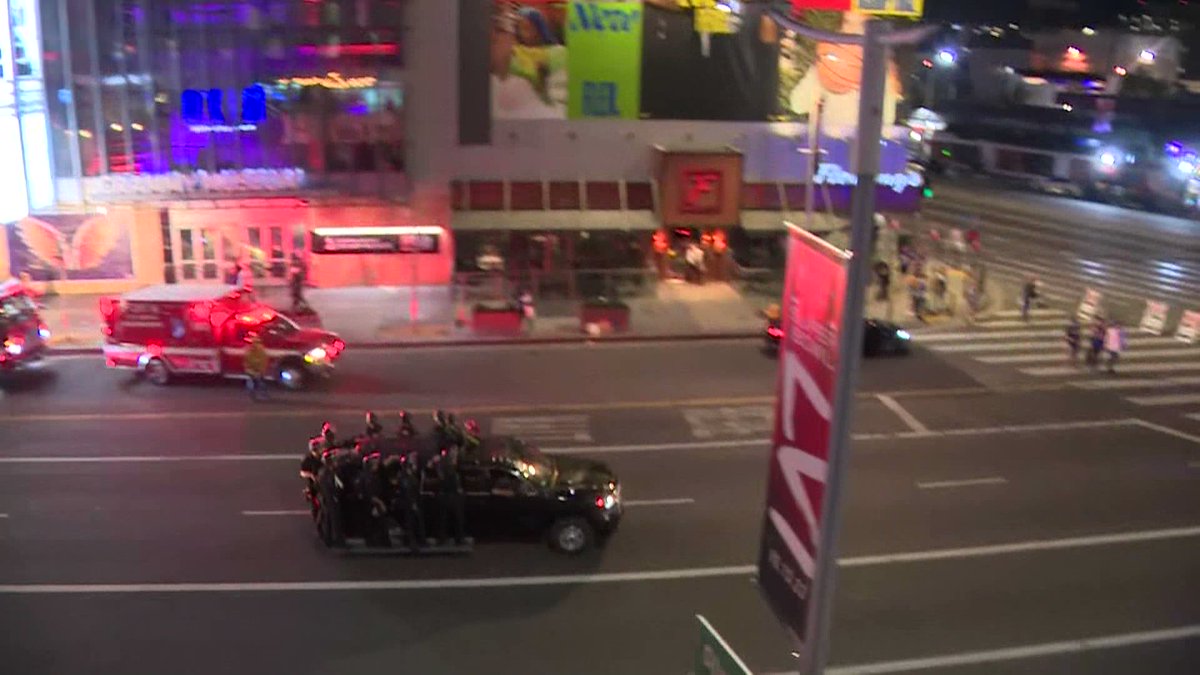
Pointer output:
x,y
194,329
23,334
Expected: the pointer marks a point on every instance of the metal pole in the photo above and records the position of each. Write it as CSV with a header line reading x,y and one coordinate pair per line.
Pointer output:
x,y
862,221
814,147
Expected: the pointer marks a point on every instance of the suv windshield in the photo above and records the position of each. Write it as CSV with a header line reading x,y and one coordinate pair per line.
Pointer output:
x,y
528,460
281,325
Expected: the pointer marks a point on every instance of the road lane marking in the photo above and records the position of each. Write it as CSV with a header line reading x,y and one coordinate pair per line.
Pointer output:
x,y
379,585
966,482
1006,429
1056,345
1191,465
1018,323
1033,311
1020,653
1036,545
680,501
901,412
545,427
1167,399
1170,367
732,655
1193,416
1136,355
1136,383
283,512
976,336
1162,429
755,420
3,516
656,447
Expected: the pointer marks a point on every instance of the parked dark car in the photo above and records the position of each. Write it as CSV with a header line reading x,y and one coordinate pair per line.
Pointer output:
x,y
879,338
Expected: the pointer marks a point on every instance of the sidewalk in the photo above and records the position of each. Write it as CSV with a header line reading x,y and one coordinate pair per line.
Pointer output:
x,y
377,316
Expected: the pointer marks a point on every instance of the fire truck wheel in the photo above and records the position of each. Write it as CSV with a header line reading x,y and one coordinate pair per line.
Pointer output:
x,y
291,376
156,372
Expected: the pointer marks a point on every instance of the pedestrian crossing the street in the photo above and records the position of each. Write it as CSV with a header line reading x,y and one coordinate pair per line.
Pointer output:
x,y
573,428
1154,372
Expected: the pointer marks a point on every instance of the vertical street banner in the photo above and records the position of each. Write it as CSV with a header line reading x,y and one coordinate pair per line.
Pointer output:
x,y
814,290
604,59
1154,319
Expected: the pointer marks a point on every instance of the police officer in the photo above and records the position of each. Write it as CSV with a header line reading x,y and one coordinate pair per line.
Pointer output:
x,y
374,428
310,467
329,487
405,482
373,492
451,501
472,440
441,430
328,436
407,430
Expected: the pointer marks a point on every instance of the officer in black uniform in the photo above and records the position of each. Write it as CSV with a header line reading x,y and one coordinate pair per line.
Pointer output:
x,y
451,500
310,467
329,436
407,430
372,491
329,488
472,440
405,482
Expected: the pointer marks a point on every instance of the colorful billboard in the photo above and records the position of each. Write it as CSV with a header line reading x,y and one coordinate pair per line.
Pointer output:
x,y
70,247
814,290
529,60
604,57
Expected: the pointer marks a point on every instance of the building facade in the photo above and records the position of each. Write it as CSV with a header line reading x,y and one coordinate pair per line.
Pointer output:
x,y
169,140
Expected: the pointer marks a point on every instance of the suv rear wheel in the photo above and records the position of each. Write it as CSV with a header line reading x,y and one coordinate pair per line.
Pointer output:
x,y
156,372
571,536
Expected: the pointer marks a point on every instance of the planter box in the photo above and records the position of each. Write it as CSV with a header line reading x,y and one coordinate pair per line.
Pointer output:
x,y
615,316
488,321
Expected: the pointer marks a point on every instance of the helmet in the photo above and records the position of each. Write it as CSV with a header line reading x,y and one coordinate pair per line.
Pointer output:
x,y
314,445
451,420
328,428
371,419
405,418
472,427
439,417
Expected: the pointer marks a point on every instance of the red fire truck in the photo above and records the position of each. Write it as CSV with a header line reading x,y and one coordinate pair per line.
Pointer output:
x,y
23,335
168,330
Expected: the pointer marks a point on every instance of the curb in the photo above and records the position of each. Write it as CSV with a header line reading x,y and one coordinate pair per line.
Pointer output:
x,y
499,342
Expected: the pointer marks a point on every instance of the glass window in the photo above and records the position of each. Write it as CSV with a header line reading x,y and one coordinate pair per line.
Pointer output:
x,y
564,195
487,195
526,196
639,197
603,196
796,196
761,197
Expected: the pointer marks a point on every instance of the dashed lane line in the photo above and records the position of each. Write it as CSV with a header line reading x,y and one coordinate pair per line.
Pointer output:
x,y
905,416
676,501
966,482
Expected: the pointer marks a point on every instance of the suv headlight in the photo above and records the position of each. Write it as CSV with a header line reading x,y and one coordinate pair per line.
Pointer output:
x,y
316,355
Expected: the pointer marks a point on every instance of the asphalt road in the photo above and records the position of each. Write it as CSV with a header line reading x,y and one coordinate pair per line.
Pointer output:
x,y
147,530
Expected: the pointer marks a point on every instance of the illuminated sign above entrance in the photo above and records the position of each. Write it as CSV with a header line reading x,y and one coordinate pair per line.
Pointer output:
x,y
348,240
329,81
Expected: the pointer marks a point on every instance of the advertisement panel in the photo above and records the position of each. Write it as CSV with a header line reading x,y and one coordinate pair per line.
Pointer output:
x,y
700,189
814,290
529,60
910,8
70,247
350,240
604,57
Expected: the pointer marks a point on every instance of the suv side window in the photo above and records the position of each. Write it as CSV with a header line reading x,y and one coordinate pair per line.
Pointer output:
x,y
505,483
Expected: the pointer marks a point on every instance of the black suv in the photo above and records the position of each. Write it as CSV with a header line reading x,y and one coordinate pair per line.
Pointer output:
x,y
514,490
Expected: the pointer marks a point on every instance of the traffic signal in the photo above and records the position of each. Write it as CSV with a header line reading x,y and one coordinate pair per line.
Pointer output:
x,y
927,192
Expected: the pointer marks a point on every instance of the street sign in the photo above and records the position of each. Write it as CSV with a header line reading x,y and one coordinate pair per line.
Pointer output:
x,y
1089,307
715,656
913,8
814,292
1189,327
1154,319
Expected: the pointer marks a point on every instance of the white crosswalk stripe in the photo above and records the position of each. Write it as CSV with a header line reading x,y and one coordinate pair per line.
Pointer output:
x,y
1035,312
1169,399
545,427
754,421
1130,355
1193,416
1135,383
1051,371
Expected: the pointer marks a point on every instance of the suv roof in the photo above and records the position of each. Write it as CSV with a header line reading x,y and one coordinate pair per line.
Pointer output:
x,y
180,293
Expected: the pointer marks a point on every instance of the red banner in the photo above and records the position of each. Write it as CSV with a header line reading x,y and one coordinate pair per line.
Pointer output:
x,y
814,290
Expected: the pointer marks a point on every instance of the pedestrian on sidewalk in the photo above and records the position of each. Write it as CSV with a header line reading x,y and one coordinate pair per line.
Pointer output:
x,y
1114,344
1029,294
1097,343
255,364
883,274
528,311
297,277
1073,337
918,288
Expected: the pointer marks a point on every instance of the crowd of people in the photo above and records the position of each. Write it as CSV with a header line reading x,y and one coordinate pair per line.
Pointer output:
x,y
1106,342
365,485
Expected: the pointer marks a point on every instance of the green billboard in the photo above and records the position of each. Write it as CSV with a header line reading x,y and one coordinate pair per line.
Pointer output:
x,y
604,57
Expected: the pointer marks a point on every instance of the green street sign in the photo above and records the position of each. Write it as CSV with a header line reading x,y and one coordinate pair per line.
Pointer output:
x,y
715,657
